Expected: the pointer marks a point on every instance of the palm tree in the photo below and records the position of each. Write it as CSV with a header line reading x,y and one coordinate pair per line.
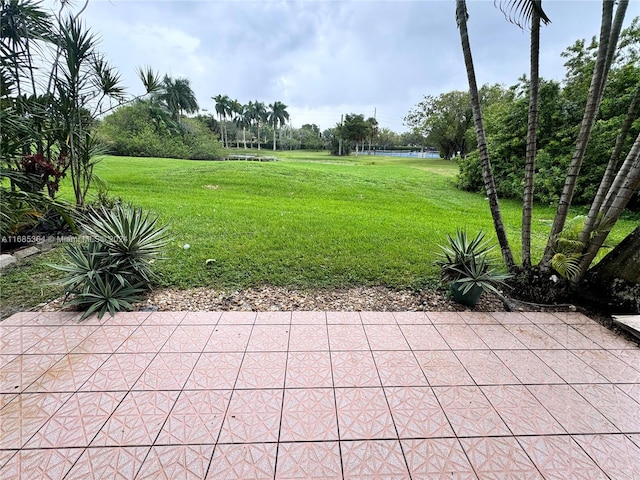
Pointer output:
x,y
222,109
521,13
487,171
235,112
178,96
277,117
373,129
258,115
243,120
609,32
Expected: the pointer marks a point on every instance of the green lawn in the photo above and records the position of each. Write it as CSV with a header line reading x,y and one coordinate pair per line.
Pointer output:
x,y
307,220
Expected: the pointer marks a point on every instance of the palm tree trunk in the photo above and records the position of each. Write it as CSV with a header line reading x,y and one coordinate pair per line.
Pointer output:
x,y
629,180
608,34
244,136
487,172
258,135
532,125
274,136
609,175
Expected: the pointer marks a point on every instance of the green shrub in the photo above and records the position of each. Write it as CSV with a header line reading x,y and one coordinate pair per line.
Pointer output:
x,y
112,269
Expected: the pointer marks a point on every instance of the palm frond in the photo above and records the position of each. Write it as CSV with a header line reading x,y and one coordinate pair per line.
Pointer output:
x,y
520,12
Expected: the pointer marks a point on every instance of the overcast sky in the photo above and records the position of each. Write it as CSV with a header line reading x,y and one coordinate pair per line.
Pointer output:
x,y
324,58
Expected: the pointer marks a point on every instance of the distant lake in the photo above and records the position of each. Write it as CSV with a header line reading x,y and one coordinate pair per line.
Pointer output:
x,y
401,153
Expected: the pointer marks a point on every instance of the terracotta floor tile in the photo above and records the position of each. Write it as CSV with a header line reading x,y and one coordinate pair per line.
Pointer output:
x,y
461,337
126,318
5,456
378,318
201,318
269,338
309,415
167,371
437,458
614,404
416,413
569,337
631,389
573,412
215,370
256,461
354,369
237,318
308,338
77,421
273,318
574,318
528,367
17,375
188,462
424,337
117,463
137,420
380,459
499,458
21,339
445,318
188,338
443,368
635,438
63,340
478,318
533,336
399,368
497,337
55,318
253,416
310,460
344,318
630,356
147,339
262,370
363,413
609,366
6,398
615,454
308,318
510,318
569,367
411,318
49,464
485,367
469,412
69,373
386,337
229,338
560,457
105,339
165,318
542,318
120,372
309,370
7,359
521,411
347,337
604,337
196,418
25,415
19,319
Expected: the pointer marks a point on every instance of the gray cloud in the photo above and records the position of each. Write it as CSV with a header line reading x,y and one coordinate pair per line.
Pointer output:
x,y
324,58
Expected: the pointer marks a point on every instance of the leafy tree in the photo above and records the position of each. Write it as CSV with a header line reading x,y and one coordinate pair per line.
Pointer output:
x,y
372,125
354,129
223,109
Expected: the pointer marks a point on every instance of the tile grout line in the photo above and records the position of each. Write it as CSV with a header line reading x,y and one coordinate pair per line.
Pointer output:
x,y
284,384
335,398
233,389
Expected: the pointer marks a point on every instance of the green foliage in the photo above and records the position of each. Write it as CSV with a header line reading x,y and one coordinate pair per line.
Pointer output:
x,y
108,273
144,129
466,263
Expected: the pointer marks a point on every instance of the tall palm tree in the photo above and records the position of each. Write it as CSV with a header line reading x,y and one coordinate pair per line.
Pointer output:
x,y
278,115
222,109
259,116
487,171
522,13
243,120
235,113
373,129
609,33
178,96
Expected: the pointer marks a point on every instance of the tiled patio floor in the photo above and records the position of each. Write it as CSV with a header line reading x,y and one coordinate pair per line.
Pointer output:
x,y
317,395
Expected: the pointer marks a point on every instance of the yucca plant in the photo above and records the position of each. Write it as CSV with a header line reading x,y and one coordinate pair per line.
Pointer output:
x,y
466,264
111,271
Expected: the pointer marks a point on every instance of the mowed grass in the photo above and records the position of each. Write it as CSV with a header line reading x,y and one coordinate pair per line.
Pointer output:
x,y
309,220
